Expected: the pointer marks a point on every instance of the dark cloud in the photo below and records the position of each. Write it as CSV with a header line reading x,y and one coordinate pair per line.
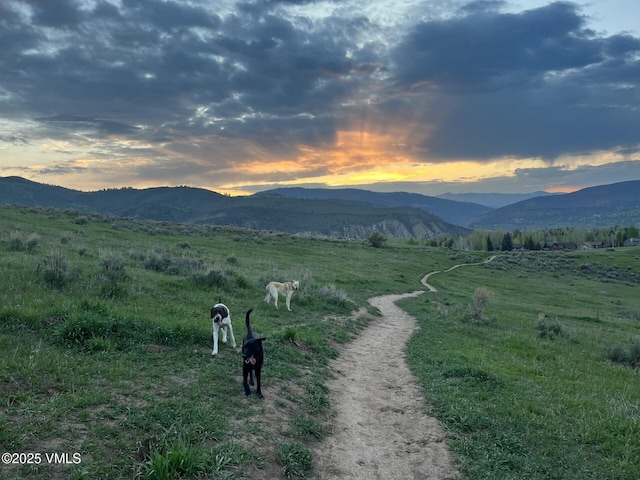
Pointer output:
x,y
533,84
15,139
482,6
485,51
59,14
479,83
291,2
161,63
97,125
170,15
588,175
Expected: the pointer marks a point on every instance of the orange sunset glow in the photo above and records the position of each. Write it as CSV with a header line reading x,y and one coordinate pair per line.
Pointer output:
x,y
361,158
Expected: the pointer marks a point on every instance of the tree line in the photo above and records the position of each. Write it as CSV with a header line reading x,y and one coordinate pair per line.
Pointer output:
x,y
540,239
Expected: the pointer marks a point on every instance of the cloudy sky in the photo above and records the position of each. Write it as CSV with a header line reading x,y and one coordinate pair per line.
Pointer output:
x,y
425,96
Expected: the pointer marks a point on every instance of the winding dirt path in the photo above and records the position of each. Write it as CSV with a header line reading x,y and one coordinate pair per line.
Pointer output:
x,y
433,289
381,429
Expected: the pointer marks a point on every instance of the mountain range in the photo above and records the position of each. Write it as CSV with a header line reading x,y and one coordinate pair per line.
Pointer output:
x,y
593,207
494,200
329,218
342,213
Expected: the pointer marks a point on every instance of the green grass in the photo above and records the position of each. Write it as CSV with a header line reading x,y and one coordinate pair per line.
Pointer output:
x,y
295,458
518,404
108,354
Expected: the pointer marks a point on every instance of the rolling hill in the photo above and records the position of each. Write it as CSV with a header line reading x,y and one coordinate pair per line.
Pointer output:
x,y
451,211
318,217
493,200
601,206
339,213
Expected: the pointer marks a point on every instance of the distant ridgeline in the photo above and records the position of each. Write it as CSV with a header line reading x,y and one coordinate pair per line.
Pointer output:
x,y
342,213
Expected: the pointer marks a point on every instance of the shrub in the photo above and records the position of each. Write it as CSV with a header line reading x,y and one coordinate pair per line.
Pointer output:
x,y
213,278
376,239
54,269
32,241
222,279
184,266
18,242
113,267
480,300
113,272
629,357
332,295
156,261
549,330
240,282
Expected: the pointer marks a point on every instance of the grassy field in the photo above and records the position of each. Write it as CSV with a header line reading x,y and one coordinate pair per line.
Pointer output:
x,y
105,343
534,388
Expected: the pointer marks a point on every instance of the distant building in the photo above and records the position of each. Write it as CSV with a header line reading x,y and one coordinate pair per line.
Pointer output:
x,y
592,245
631,242
563,246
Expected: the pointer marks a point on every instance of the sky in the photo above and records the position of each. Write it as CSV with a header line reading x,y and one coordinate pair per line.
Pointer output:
x,y
424,96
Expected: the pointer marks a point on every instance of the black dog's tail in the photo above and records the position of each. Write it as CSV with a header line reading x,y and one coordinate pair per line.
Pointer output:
x,y
249,332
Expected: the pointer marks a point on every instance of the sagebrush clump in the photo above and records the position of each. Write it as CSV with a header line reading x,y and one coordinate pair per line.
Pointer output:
x,y
480,300
19,241
54,269
630,357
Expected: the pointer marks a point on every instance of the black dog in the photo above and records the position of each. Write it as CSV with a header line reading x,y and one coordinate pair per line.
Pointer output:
x,y
252,358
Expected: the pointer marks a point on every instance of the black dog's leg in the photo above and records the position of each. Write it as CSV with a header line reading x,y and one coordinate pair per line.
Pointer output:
x,y
245,384
251,378
259,389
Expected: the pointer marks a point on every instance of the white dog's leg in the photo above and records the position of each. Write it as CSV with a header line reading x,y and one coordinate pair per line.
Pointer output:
x,y
275,298
289,300
224,333
233,340
215,339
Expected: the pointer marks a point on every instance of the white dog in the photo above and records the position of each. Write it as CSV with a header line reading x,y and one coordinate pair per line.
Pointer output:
x,y
285,289
221,318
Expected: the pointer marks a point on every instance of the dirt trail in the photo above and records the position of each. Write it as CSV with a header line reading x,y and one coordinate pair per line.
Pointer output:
x,y
381,430
433,289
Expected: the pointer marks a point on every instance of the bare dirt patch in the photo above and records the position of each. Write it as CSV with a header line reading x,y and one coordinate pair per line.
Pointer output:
x,y
381,430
